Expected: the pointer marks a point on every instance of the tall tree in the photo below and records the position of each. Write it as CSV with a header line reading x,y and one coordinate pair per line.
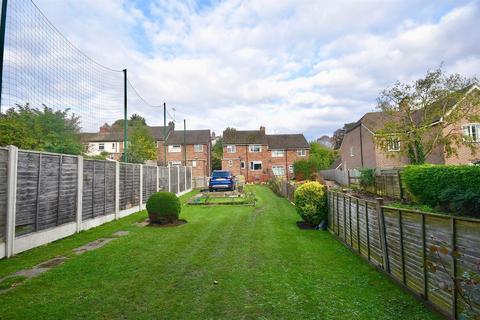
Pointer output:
x,y
217,154
338,135
135,120
141,145
424,115
321,156
41,129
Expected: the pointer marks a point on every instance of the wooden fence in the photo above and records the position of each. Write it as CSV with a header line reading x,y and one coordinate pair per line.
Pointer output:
x,y
47,196
342,177
400,241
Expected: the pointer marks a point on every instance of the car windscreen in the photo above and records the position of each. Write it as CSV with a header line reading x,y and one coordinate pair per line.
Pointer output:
x,y
220,174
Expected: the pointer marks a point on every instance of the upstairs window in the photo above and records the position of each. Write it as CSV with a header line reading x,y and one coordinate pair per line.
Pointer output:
x,y
231,148
278,153
472,131
198,147
393,144
301,152
101,146
174,148
255,148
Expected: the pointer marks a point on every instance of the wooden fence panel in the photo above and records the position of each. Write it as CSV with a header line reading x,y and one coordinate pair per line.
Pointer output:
x,y
3,192
68,190
129,185
174,179
182,185
189,178
408,237
163,178
149,182
98,188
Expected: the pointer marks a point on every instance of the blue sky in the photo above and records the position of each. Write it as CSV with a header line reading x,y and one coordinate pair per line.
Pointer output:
x,y
292,66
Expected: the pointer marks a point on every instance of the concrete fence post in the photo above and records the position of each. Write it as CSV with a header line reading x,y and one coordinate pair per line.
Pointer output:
x,y
79,193
169,180
11,199
158,177
117,189
141,187
191,177
178,179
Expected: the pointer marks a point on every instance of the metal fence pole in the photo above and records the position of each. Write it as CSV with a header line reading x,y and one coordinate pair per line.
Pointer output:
x,y
11,199
79,193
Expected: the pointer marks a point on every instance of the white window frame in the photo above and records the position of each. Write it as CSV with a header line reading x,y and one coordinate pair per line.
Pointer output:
x,y
174,148
194,163
472,130
278,153
301,152
101,146
198,147
231,148
278,171
393,145
254,148
253,163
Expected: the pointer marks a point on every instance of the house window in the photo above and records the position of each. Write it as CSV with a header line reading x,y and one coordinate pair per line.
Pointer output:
x,y
101,146
255,165
301,152
255,148
175,163
231,148
242,164
351,152
278,153
198,148
194,163
472,131
230,163
290,168
393,144
174,148
113,145
278,170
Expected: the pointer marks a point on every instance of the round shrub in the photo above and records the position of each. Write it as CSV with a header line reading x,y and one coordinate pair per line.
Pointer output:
x,y
311,202
163,207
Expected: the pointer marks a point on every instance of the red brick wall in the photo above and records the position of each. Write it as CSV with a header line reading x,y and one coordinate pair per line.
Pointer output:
x,y
201,159
231,161
465,155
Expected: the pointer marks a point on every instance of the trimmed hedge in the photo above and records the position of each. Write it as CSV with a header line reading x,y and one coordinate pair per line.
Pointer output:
x,y
163,207
311,202
454,189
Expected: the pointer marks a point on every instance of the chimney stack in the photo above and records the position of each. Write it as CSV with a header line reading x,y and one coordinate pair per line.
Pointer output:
x,y
262,129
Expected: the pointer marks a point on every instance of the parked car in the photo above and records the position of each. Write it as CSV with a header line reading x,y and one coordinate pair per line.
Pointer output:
x,y
221,179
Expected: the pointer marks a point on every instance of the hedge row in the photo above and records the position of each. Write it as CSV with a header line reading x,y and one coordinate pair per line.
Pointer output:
x,y
454,189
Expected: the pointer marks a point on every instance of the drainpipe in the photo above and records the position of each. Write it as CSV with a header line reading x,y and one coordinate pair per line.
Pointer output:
x,y
361,146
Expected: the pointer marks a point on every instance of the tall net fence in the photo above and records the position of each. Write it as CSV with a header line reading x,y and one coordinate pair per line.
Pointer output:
x,y
42,68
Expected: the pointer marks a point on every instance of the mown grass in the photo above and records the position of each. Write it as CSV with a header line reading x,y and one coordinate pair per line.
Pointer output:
x,y
264,266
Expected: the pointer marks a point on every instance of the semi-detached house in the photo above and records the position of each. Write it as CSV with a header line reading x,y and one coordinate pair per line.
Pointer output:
x,y
259,156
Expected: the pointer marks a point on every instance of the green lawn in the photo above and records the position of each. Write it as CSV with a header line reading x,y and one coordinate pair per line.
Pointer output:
x,y
265,266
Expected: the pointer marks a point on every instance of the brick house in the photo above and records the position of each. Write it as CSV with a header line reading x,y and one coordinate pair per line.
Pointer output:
x,y
259,156
359,150
192,148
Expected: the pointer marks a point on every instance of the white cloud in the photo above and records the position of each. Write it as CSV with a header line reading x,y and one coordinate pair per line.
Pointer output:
x,y
294,66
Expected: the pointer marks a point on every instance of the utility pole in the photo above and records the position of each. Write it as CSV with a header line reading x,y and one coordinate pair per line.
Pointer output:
x,y
165,134
125,124
3,24
185,141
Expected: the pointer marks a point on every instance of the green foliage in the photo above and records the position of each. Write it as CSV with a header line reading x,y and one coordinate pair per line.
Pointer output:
x,y
454,189
163,207
367,177
311,202
304,169
43,130
141,145
135,120
275,184
321,156
217,154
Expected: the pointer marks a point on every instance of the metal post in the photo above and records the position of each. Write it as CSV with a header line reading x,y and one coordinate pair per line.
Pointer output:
x,y
79,192
11,199
185,142
165,135
125,120
3,24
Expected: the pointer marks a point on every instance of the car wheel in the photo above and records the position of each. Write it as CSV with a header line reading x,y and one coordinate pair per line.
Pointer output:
x,y
210,189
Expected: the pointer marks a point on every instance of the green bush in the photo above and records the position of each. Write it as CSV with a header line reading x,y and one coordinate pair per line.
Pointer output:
x,y
163,207
367,177
454,189
304,169
311,202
